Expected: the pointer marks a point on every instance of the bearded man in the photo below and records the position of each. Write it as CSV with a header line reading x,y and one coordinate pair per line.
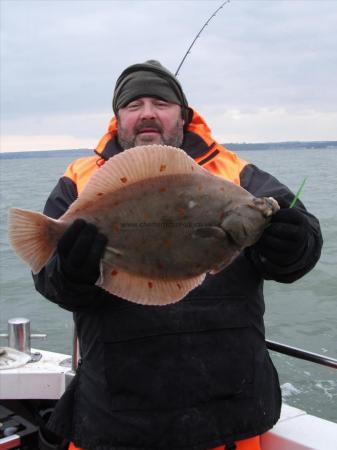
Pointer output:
x,y
194,375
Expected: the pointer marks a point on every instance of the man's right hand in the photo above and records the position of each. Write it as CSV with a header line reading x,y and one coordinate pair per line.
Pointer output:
x,y
80,250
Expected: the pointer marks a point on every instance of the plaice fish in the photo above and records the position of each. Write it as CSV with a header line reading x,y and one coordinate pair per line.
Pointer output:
x,y
168,222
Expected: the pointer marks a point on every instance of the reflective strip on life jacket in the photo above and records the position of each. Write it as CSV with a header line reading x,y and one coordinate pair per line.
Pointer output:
x,y
226,165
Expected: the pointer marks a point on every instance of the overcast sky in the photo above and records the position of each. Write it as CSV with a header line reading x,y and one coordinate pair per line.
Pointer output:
x,y
261,70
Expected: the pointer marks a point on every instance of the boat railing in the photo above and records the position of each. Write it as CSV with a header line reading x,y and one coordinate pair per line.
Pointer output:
x,y
302,354
19,338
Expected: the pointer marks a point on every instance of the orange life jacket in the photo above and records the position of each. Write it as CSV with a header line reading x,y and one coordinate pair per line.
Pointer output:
x,y
216,158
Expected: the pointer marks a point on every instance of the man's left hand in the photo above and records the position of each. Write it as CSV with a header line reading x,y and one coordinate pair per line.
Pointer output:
x,y
285,238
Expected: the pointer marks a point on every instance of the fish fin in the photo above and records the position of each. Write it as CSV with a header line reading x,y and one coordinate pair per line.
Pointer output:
x,y
30,234
220,267
134,165
146,291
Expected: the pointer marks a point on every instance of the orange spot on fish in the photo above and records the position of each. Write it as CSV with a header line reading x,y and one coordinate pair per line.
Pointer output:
x,y
222,189
100,162
222,216
116,227
199,188
124,180
162,189
150,284
116,203
146,216
167,243
162,168
114,272
179,286
182,212
192,168
99,194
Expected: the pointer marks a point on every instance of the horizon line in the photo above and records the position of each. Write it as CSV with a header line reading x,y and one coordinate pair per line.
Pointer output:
x,y
224,144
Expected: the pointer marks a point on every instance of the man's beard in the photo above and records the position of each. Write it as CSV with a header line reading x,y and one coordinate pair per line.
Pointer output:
x,y
174,138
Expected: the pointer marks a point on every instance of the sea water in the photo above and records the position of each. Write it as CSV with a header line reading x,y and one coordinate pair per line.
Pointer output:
x,y
302,314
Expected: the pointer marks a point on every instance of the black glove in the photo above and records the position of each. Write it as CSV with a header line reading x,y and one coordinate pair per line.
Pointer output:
x,y
285,238
80,250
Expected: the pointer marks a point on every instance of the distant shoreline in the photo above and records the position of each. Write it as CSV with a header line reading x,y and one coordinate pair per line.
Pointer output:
x,y
266,146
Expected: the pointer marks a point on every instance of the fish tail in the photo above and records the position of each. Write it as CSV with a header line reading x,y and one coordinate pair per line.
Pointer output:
x,y
33,236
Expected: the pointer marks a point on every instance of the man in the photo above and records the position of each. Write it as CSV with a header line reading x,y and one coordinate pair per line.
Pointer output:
x,y
194,375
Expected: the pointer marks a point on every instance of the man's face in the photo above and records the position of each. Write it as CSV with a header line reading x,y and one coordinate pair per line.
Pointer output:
x,y
149,120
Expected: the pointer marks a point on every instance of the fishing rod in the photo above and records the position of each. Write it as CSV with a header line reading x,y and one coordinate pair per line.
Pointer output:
x,y
302,354
199,33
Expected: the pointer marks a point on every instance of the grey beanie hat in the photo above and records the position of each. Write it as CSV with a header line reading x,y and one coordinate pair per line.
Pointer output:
x,y
149,79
